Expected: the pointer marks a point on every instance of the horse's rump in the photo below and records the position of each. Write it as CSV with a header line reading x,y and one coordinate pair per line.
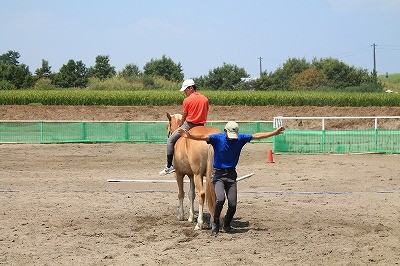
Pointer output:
x,y
191,156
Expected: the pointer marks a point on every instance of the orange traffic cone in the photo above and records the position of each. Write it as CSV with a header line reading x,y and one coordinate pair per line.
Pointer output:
x,y
270,157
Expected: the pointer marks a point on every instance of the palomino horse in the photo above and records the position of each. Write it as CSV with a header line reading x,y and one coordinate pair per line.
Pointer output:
x,y
194,159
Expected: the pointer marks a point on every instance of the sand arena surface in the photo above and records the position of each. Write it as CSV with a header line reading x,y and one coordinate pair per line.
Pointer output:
x,y
57,208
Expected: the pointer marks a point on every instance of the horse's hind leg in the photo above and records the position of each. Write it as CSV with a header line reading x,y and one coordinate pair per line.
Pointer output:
x,y
181,196
198,179
191,200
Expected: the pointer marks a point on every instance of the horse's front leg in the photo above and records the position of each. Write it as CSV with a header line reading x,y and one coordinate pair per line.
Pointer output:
x,y
181,195
191,199
198,179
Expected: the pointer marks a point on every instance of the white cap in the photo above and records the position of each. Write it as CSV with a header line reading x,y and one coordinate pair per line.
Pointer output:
x,y
187,83
232,129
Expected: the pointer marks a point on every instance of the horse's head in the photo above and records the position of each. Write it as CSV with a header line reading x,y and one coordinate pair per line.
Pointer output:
x,y
173,122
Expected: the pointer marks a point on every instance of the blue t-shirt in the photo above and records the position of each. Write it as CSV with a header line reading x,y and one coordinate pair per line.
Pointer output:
x,y
226,151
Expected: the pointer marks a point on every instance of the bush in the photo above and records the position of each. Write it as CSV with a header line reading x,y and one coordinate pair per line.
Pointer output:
x,y
366,87
6,85
158,83
309,79
44,84
114,83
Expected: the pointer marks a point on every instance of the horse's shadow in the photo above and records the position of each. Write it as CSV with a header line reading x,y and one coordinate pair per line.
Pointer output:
x,y
240,226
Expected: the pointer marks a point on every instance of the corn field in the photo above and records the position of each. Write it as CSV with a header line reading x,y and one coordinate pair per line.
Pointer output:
x,y
166,97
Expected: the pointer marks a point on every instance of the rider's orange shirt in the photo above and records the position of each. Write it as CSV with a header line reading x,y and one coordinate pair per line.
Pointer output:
x,y
196,108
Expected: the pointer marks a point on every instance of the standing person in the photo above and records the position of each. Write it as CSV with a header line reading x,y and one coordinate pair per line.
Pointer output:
x,y
227,147
195,111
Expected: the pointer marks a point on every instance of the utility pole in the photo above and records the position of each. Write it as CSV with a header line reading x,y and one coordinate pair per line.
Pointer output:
x,y
260,66
374,48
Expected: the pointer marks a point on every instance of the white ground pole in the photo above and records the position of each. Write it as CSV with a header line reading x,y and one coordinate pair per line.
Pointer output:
x,y
165,181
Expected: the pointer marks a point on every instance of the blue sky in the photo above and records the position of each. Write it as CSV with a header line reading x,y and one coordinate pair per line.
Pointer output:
x,y
202,35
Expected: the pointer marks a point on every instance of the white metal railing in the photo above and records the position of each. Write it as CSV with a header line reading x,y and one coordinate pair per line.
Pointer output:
x,y
278,120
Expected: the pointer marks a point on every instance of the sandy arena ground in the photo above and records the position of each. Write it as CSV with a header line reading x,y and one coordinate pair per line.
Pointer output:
x,y
57,207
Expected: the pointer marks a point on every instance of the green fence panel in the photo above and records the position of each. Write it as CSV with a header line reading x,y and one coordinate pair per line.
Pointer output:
x,y
292,141
54,132
11,132
148,132
94,132
338,141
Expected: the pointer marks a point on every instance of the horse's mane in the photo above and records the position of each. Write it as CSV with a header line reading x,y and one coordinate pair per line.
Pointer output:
x,y
174,121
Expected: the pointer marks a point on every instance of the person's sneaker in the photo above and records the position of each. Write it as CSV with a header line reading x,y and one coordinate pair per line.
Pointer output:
x,y
167,170
214,228
228,229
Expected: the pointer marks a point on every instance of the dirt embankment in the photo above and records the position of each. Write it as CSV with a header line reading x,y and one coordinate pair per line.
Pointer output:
x,y
156,113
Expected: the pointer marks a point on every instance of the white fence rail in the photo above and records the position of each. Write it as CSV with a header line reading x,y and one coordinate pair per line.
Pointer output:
x,y
278,120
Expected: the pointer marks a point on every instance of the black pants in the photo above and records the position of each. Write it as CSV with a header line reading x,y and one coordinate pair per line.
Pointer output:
x,y
224,181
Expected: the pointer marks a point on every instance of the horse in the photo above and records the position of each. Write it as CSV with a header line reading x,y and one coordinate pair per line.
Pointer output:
x,y
194,159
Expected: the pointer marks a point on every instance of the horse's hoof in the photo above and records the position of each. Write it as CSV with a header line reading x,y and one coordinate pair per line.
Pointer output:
x,y
180,218
197,227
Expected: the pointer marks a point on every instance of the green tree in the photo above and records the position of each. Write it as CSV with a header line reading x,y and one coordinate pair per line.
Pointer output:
x,y
44,71
339,74
282,76
12,72
10,58
265,82
72,74
165,68
130,71
102,68
226,77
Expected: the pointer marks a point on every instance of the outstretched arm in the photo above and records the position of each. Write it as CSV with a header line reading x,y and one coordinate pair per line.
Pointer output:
x,y
184,133
263,135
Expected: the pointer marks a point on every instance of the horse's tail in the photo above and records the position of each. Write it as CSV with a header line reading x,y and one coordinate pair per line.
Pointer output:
x,y
210,192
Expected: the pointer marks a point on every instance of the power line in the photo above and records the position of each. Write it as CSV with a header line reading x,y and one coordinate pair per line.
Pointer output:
x,y
352,53
390,45
389,49
355,53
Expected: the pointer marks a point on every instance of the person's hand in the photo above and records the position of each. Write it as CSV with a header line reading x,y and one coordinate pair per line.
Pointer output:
x,y
279,130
